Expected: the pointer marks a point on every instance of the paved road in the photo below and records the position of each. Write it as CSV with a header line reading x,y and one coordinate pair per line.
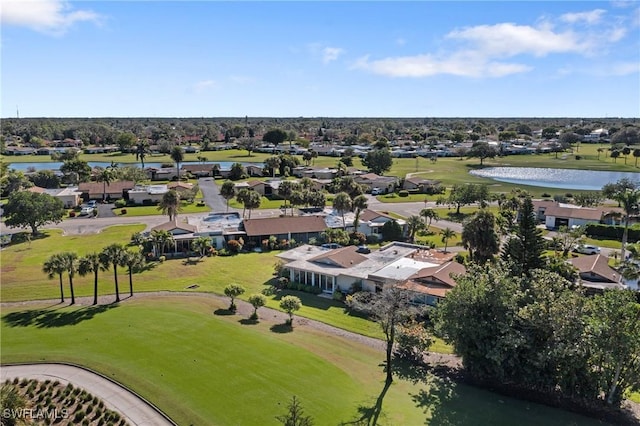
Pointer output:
x,y
116,397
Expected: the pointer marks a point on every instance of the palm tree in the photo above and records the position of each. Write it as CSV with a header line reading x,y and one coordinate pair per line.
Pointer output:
x,y
253,201
112,255
170,204
134,261
628,199
636,154
160,239
141,152
70,262
414,224
272,163
342,203
359,204
429,215
54,266
201,244
228,191
447,234
88,264
177,155
106,176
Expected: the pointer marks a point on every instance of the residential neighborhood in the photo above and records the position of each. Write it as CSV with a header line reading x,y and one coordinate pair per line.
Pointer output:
x,y
319,213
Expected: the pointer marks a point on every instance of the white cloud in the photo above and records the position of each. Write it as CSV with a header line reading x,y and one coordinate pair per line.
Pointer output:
x,y
488,50
400,41
462,64
330,54
624,68
591,17
508,39
54,17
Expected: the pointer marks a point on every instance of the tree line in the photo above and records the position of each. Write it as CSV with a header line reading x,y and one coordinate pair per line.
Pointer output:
x,y
111,257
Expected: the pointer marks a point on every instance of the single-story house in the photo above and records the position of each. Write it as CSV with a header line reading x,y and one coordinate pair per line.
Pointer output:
x,y
69,196
557,216
163,173
114,190
371,180
180,187
19,150
420,184
182,232
314,172
371,222
595,273
299,228
340,269
101,149
142,194
198,170
430,285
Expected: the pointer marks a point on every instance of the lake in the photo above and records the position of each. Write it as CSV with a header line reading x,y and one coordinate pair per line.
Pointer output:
x,y
555,178
55,165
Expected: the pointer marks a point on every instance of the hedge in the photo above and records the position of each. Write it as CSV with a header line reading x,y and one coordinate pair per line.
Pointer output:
x,y
609,232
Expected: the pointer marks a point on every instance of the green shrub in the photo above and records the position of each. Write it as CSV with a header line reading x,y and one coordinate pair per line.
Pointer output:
x,y
403,193
120,203
338,295
161,259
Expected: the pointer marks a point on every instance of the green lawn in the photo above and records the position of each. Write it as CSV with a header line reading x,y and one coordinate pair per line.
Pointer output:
x,y
202,368
187,208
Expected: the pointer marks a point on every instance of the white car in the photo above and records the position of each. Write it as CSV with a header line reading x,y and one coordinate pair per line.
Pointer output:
x,y
376,191
86,211
587,249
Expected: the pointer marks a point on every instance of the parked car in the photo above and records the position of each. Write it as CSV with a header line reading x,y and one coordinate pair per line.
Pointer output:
x,y
376,191
363,249
86,211
586,249
91,203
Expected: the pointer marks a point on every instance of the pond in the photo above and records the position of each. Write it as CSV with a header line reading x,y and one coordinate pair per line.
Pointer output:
x,y
555,178
55,165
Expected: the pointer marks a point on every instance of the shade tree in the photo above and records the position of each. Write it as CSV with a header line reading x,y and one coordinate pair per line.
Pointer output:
x,y
232,291
32,209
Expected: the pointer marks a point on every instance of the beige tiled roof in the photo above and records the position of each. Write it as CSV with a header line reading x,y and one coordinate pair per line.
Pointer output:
x,y
284,225
174,224
344,257
596,263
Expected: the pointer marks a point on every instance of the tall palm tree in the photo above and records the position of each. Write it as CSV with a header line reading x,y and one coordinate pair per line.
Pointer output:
x,y
106,176
112,255
177,155
629,200
342,203
414,224
54,266
70,262
446,235
253,201
228,191
170,204
134,261
88,264
359,204
141,152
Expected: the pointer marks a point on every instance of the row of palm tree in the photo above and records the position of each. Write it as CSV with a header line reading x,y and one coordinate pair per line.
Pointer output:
x,y
112,256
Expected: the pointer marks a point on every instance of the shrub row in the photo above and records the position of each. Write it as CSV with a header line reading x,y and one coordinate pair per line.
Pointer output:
x,y
611,232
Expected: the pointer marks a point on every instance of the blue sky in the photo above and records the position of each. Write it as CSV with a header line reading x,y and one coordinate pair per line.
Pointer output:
x,y
320,59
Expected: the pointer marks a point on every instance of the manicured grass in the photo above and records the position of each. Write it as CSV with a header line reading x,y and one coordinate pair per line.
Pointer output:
x,y
187,208
433,236
201,368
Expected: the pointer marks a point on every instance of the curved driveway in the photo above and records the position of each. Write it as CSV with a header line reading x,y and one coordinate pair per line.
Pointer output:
x,y
130,406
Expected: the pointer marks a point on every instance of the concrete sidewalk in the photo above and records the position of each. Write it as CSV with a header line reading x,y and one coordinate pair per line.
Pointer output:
x,y
130,406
